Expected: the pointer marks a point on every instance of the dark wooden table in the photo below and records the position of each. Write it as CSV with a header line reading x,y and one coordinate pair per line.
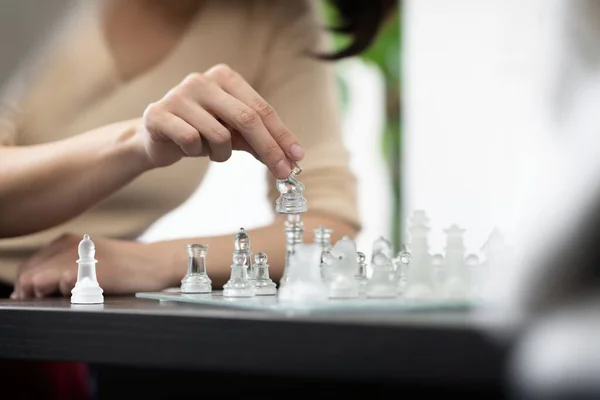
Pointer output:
x,y
448,349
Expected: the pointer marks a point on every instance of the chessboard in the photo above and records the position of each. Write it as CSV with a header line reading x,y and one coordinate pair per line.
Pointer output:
x,y
274,304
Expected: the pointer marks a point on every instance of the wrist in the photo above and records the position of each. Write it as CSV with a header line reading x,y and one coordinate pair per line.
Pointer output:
x,y
174,261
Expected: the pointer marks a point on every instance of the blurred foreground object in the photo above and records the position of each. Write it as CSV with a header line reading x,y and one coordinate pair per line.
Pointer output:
x,y
551,289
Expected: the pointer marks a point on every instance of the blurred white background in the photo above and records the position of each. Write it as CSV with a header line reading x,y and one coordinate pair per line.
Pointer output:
x,y
473,78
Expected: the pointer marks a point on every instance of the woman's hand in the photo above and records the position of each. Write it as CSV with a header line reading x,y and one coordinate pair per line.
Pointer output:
x,y
123,267
213,113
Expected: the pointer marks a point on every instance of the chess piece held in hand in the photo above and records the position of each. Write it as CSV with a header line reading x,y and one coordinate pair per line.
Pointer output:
x,y
87,290
291,200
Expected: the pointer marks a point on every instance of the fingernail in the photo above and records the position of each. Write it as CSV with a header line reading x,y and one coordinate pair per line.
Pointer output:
x,y
282,169
13,295
296,151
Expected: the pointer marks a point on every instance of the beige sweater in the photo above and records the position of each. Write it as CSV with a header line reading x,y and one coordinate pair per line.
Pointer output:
x,y
72,86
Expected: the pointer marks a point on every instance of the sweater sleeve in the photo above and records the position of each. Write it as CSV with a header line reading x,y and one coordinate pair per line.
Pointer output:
x,y
304,92
68,72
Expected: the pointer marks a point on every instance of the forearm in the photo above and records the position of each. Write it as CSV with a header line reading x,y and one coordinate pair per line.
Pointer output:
x,y
44,185
269,239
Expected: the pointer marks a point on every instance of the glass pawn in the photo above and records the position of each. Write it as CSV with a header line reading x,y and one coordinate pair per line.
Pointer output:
x,y
260,276
87,290
241,245
382,282
323,238
402,262
238,285
196,280
361,274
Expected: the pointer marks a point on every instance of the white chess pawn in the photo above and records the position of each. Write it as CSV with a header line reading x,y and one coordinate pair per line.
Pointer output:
x,y
361,273
402,262
382,282
260,276
238,285
87,290
342,282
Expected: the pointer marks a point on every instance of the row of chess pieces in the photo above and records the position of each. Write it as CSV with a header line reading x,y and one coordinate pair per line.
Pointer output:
x,y
320,271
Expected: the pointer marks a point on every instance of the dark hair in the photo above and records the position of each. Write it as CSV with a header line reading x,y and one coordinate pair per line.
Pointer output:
x,y
361,20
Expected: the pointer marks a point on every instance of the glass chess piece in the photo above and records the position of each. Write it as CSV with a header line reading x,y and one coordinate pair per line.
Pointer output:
x,y
291,200
327,261
402,262
455,284
323,238
87,290
420,285
382,283
342,283
241,245
304,284
475,277
437,270
361,273
238,284
196,280
260,276
381,245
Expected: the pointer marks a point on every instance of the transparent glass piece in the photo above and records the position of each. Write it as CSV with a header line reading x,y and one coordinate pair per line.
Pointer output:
x,y
87,290
402,264
361,273
322,237
342,282
241,242
381,245
260,276
304,283
382,282
196,280
241,245
238,284
437,271
472,260
291,200
294,232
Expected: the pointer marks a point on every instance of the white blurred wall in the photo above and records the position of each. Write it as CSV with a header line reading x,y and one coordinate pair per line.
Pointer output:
x,y
473,77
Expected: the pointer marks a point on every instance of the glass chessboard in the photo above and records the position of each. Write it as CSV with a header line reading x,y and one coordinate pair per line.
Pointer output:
x,y
272,303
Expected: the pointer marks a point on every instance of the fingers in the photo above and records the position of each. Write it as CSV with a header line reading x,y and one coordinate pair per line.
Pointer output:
x,y
216,135
45,282
24,287
247,121
234,84
67,282
162,125
203,115
38,276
